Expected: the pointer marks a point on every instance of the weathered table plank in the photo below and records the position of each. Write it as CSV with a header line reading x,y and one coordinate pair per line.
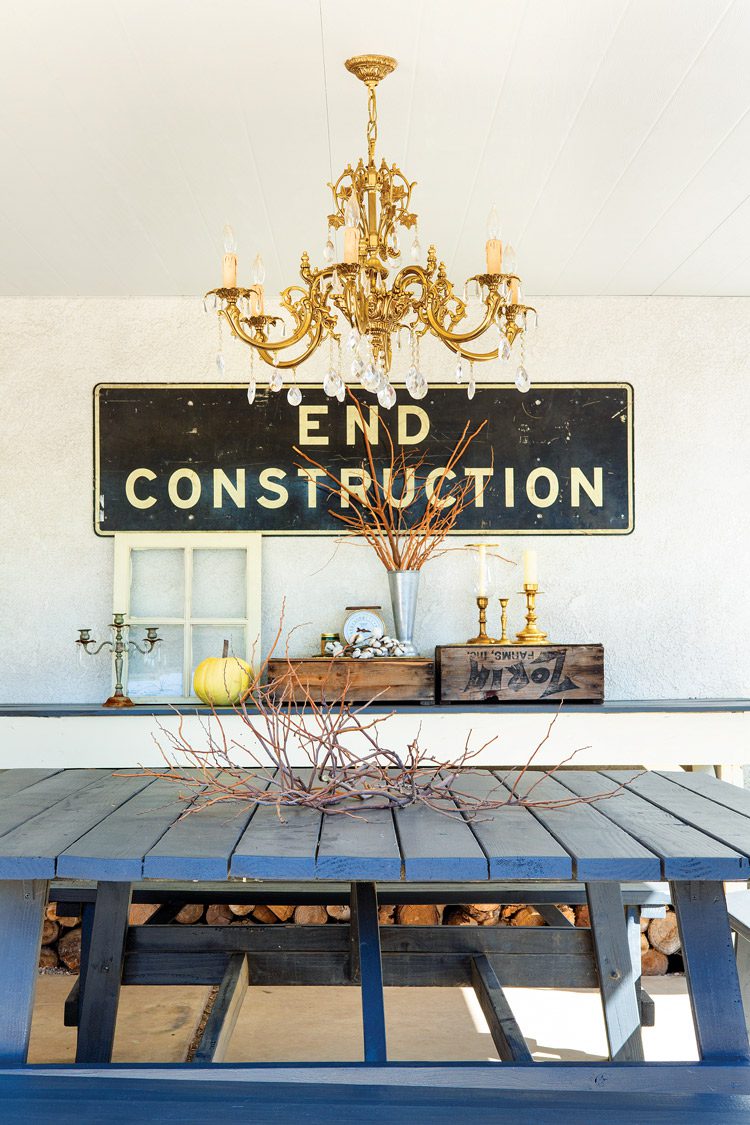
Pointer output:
x,y
360,844
13,781
600,849
278,844
439,845
685,852
729,796
517,846
114,848
30,850
28,803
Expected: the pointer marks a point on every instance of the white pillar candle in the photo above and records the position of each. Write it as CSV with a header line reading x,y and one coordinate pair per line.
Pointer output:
x,y
229,271
530,577
482,570
493,252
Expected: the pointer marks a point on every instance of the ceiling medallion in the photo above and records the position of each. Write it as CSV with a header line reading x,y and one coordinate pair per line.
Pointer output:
x,y
363,300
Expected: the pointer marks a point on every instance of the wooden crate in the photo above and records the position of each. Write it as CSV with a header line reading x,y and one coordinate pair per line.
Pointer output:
x,y
520,673
402,678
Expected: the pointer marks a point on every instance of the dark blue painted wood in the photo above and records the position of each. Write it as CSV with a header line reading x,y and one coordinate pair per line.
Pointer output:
x,y
618,981
30,850
21,917
114,848
67,1100
22,807
200,845
712,819
600,849
439,844
506,1034
711,970
222,1019
516,845
278,844
685,852
100,996
369,970
360,844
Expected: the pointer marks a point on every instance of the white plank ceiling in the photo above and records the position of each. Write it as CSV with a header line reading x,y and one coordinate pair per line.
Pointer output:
x,y
614,136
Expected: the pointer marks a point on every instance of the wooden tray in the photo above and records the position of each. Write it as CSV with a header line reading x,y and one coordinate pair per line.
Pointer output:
x,y
520,673
404,678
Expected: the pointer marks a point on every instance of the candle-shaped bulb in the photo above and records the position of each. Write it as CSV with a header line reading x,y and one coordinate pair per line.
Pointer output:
x,y
493,224
259,270
530,575
510,259
351,211
230,242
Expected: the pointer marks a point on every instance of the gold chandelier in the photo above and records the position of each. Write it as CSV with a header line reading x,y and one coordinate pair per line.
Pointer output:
x,y
357,307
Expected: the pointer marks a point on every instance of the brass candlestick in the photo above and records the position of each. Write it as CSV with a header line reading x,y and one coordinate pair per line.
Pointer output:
x,y
482,638
504,638
531,635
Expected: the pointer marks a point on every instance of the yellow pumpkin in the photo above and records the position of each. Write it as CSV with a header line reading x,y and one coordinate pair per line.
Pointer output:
x,y
221,681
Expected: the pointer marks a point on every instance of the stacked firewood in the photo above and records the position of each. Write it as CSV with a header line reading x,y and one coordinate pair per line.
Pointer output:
x,y
660,942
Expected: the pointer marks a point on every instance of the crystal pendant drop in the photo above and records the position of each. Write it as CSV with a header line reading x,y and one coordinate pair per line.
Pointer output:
x,y
370,378
471,388
276,381
352,340
504,348
357,368
220,363
460,370
275,359
395,246
411,379
329,250
341,391
386,396
331,383
416,250
294,395
209,306
251,391
523,382
336,287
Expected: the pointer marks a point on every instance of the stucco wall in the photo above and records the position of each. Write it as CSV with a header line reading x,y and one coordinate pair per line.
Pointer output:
x,y
669,602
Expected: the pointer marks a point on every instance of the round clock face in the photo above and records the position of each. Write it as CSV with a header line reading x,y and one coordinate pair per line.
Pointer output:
x,y
363,623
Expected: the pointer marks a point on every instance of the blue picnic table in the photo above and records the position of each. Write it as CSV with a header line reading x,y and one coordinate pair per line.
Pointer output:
x,y
118,834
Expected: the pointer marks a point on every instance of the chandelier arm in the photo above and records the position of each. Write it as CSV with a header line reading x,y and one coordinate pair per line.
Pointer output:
x,y
456,339
285,364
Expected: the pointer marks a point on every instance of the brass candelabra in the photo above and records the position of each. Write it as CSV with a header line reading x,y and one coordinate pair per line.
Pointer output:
x,y
118,647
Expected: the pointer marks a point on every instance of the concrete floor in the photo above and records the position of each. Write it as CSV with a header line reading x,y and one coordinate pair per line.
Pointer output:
x,y
156,1024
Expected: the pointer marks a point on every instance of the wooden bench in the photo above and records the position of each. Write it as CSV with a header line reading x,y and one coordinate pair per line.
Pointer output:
x,y
538,1094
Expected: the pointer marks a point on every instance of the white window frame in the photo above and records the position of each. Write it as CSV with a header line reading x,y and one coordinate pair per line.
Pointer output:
x,y
250,542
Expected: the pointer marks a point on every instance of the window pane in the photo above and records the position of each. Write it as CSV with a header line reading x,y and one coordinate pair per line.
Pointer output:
x,y
208,640
161,673
157,585
219,588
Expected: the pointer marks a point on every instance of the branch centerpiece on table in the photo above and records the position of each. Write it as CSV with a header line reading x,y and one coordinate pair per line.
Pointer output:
x,y
349,767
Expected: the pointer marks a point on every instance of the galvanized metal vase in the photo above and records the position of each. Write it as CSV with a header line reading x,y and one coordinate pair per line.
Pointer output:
x,y
404,586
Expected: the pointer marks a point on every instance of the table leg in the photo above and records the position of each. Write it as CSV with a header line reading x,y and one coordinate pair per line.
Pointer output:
x,y
617,983
100,994
711,970
367,969
22,905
